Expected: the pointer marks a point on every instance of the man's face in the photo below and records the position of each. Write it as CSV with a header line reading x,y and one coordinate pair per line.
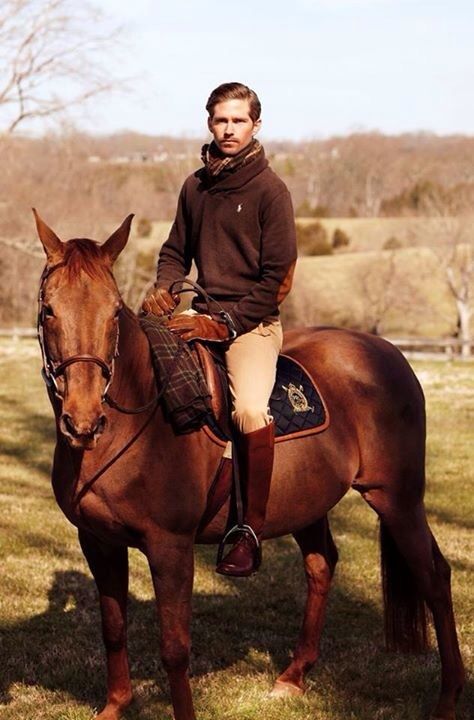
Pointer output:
x,y
232,126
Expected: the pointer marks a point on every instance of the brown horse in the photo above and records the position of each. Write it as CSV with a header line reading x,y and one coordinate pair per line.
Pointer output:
x,y
143,486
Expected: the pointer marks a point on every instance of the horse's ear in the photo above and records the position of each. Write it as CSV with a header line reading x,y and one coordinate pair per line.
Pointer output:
x,y
53,246
117,241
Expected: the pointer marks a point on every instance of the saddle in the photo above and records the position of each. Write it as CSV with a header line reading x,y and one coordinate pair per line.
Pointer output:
x,y
297,407
296,404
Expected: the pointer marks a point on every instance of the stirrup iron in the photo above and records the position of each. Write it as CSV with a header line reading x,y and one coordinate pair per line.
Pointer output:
x,y
243,530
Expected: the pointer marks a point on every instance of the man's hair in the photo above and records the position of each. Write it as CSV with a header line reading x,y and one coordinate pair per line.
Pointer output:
x,y
234,91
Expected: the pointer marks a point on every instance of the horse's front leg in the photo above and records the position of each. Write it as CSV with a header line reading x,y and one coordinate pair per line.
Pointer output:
x,y
109,566
171,561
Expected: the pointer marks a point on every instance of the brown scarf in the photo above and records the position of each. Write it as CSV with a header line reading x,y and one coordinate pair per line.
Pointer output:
x,y
215,161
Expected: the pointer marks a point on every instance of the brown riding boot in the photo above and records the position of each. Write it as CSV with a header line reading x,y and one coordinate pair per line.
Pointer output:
x,y
255,461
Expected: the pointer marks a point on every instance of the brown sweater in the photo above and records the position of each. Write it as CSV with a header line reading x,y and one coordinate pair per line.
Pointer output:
x,y
240,231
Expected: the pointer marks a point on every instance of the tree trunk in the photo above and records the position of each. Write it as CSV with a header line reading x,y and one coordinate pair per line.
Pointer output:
x,y
464,327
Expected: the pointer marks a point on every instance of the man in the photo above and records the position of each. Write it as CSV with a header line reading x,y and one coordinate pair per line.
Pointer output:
x,y
235,220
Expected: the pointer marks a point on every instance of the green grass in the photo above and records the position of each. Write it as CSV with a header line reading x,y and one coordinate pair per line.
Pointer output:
x,y
51,655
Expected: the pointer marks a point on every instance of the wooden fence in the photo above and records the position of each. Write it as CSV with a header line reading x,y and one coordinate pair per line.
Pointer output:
x,y
17,333
446,348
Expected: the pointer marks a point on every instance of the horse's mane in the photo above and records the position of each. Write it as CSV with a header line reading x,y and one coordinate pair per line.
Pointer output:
x,y
84,255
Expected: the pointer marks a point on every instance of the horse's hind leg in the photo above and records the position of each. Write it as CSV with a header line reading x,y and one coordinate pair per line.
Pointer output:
x,y
414,572
109,566
320,558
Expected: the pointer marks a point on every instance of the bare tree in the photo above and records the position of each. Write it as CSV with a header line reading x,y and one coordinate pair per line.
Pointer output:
x,y
457,258
378,285
52,57
385,287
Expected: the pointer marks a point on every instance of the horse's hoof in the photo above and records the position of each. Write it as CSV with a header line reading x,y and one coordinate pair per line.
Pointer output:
x,y
285,689
113,711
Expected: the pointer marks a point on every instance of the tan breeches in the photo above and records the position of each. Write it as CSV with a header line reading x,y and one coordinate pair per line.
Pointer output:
x,y
251,365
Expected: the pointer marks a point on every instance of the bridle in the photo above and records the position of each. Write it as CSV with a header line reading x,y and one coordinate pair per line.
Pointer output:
x,y
51,371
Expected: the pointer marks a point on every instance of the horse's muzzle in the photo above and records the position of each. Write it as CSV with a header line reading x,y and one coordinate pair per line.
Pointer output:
x,y
83,434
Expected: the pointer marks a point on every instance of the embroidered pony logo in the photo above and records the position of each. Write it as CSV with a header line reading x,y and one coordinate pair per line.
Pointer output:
x,y
239,207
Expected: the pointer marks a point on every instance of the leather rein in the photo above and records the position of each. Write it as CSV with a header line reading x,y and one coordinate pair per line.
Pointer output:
x,y
51,372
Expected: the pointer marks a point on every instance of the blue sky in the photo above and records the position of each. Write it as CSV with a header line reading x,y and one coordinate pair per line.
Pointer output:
x,y
320,67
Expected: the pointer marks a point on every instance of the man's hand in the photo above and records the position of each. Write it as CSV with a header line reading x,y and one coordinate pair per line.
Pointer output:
x,y
199,327
159,302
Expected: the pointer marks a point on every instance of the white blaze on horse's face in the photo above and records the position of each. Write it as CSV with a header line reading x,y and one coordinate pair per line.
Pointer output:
x,y
79,319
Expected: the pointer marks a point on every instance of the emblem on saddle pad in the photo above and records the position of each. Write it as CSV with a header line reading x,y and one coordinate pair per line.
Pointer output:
x,y
297,398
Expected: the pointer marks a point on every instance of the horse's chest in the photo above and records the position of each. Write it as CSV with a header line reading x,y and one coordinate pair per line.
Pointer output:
x,y
90,511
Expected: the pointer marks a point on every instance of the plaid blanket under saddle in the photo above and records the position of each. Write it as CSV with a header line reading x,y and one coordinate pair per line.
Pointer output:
x,y
186,398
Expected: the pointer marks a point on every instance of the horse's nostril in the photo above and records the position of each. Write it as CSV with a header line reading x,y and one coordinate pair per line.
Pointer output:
x,y
100,427
82,429
67,425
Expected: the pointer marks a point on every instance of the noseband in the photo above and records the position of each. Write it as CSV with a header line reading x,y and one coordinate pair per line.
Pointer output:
x,y
50,372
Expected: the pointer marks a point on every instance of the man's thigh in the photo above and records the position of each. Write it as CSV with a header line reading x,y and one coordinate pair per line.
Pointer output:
x,y
251,363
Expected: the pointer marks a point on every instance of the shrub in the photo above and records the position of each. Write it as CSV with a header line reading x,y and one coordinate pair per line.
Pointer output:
x,y
421,198
392,243
144,228
313,239
306,209
340,239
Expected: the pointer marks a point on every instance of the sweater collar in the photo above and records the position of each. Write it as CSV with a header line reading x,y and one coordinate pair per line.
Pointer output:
x,y
233,179
217,162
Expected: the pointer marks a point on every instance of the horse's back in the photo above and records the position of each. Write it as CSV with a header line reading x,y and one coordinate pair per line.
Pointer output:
x,y
355,363
374,397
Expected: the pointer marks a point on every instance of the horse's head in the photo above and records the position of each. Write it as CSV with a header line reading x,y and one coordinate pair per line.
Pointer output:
x,y
79,304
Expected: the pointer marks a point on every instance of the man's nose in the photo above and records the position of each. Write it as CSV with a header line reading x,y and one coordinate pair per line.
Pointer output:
x,y
229,130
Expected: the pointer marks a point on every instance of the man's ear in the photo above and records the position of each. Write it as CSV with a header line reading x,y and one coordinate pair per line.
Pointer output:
x,y
117,241
52,245
209,124
256,126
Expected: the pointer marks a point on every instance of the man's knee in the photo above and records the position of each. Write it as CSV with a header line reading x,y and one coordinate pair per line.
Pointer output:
x,y
250,417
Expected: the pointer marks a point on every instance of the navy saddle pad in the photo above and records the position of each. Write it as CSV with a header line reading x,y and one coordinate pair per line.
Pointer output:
x,y
295,403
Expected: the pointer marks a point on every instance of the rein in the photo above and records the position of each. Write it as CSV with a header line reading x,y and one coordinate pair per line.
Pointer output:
x,y
128,411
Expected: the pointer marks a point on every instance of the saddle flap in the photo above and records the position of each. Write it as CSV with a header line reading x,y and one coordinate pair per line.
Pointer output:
x,y
213,368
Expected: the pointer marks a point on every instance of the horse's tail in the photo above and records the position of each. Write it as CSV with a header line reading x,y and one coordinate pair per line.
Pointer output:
x,y
404,607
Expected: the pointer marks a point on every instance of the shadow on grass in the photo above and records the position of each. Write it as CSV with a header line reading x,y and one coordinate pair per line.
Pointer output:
x,y
35,433
60,649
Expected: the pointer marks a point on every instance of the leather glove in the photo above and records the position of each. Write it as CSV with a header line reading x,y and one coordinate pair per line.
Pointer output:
x,y
159,302
199,327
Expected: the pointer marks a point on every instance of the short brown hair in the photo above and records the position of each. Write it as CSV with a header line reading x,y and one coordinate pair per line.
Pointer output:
x,y
234,91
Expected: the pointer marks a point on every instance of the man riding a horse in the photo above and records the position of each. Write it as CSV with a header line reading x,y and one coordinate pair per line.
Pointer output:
x,y
235,220
125,478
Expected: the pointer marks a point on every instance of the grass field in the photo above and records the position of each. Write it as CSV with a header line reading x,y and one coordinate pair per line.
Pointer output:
x,y
51,664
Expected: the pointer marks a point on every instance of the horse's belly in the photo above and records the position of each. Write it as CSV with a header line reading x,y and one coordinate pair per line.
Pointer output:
x,y
309,478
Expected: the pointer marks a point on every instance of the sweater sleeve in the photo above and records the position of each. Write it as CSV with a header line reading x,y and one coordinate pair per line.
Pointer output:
x,y
277,263
175,258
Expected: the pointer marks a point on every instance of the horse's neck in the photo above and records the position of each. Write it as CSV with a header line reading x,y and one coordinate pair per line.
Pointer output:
x,y
133,377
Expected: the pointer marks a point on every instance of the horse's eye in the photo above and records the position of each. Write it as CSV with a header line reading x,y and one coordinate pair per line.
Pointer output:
x,y
48,311
118,311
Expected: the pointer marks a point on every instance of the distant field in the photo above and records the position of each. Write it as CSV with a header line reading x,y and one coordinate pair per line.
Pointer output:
x,y
364,233
51,654
372,233
407,287
345,288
